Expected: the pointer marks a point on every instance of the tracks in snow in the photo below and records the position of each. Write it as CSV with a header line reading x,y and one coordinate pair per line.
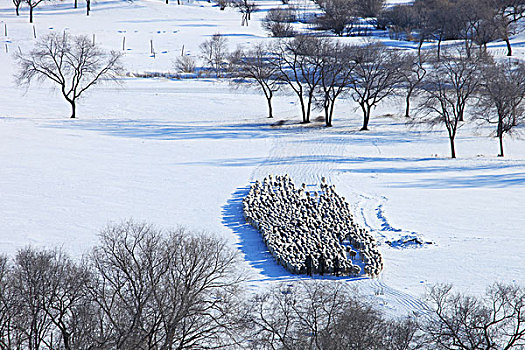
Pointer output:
x,y
308,155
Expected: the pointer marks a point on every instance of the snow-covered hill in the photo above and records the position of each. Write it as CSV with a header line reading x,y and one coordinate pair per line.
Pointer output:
x,y
183,152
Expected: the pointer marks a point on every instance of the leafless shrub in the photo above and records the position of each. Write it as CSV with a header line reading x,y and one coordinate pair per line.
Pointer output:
x,y
338,14
185,64
370,8
223,4
278,22
400,20
215,52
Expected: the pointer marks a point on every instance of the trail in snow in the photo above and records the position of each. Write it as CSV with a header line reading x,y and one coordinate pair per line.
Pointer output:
x,y
307,159
372,212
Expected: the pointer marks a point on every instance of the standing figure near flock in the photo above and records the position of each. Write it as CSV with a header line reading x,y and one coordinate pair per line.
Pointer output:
x,y
308,264
322,264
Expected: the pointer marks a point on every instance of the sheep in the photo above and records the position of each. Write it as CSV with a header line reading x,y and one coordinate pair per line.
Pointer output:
x,y
297,223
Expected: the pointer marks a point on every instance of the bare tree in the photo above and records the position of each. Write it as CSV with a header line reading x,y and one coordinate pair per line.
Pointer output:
x,y
278,22
412,73
174,291
299,66
32,5
336,76
246,8
376,73
474,19
427,14
448,88
214,52
298,316
223,4
508,14
494,321
17,4
255,67
74,63
501,99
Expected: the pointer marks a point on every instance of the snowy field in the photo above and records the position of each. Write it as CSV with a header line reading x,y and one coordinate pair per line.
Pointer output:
x,y
183,152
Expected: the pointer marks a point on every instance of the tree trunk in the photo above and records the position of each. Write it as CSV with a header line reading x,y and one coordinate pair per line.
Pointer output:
x,y
501,146
509,47
331,113
407,108
366,117
30,14
76,3
439,49
309,108
88,6
452,148
73,108
500,137
17,11
270,110
303,110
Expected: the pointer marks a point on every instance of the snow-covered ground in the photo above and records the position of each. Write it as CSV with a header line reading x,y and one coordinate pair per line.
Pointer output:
x,y
182,152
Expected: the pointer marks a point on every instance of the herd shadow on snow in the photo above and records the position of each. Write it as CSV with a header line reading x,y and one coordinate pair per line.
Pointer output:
x,y
252,246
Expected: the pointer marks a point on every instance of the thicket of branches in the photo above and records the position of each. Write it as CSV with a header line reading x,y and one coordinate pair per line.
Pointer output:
x,y
141,288
472,21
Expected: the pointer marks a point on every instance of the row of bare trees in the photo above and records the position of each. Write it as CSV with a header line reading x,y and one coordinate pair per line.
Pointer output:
x,y
32,4
141,288
473,21
320,71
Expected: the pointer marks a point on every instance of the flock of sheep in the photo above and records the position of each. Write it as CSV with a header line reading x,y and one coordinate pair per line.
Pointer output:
x,y
310,231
